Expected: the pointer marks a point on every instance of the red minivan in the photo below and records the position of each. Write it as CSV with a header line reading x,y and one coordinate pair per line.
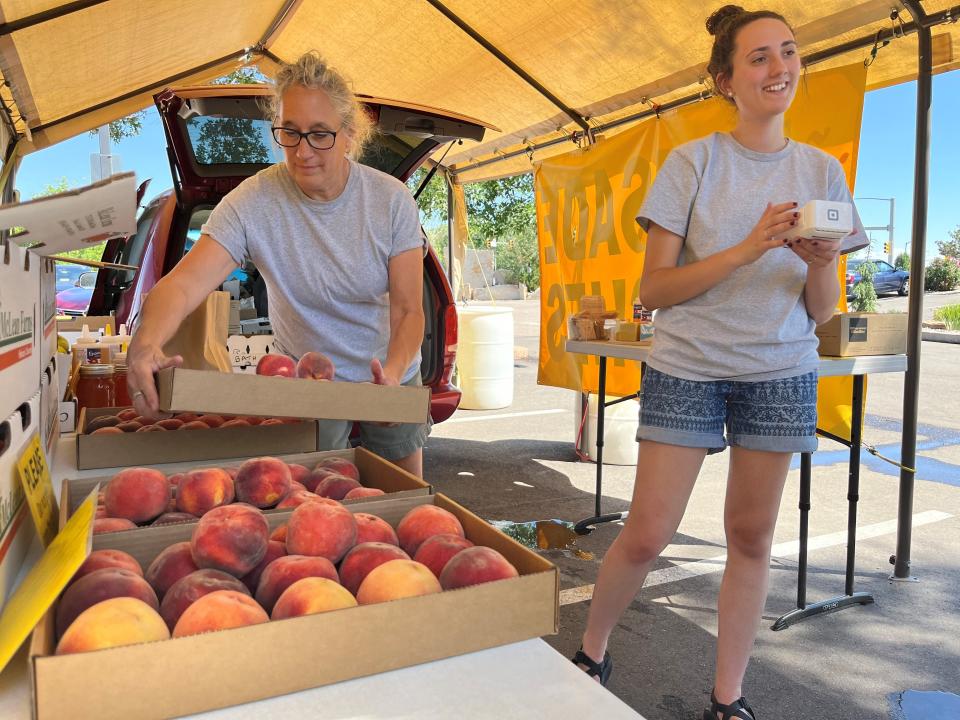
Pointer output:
x,y
217,136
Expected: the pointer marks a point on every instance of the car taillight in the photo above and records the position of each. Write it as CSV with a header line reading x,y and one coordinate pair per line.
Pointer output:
x,y
450,329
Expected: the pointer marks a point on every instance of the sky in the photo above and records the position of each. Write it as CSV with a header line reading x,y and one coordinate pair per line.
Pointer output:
x,y
885,167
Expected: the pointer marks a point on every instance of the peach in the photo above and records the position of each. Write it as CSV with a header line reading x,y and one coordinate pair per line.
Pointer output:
x,y
363,558
212,420
277,364
173,563
111,525
296,485
371,528
127,414
203,489
144,420
279,533
219,610
474,566
315,477
339,465
104,421
425,521
336,486
137,494
232,471
100,512
295,499
232,538
150,428
112,430
100,559
397,579
271,421
173,518
186,417
253,419
262,481
190,588
130,426
176,478
194,425
286,570
362,492
435,552
298,472
98,586
315,366
275,549
320,528
170,424
310,596
236,422
111,623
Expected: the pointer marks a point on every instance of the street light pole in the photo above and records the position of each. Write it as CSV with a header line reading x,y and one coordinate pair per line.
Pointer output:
x,y
888,228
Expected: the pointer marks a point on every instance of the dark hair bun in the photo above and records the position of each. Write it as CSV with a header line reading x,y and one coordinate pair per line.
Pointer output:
x,y
721,15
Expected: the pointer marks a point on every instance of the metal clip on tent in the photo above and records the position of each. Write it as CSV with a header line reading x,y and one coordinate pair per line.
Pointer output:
x,y
877,44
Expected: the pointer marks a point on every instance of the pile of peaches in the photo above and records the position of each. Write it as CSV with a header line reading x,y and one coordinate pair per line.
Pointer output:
x,y
234,572
129,420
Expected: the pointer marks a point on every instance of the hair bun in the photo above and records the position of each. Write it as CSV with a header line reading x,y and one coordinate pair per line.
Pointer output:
x,y
721,15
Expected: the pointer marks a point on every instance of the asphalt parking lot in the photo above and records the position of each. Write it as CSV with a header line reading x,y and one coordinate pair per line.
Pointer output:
x,y
519,464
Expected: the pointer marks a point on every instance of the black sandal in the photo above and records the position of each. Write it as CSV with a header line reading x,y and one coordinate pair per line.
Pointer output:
x,y
594,668
736,709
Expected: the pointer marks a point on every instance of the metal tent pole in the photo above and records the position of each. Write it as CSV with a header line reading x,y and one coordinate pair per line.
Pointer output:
x,y
911,382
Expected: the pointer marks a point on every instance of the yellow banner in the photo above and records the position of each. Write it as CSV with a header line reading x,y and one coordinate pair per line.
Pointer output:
x,y
590,244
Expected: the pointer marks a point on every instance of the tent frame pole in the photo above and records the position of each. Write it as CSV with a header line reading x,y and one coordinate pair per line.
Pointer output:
x,y
911,382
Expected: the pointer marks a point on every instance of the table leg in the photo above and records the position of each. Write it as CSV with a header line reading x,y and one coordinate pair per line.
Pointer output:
x,y
803,610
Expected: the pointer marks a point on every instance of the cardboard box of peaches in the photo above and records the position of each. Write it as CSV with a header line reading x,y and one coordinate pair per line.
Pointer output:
x,y
254,600
266,413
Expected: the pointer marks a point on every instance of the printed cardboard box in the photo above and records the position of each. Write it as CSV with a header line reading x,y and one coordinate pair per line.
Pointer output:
x,y
246,351
375,472
853,334
151,448
241,394
212,670
19,327
47,315
16,524
50,408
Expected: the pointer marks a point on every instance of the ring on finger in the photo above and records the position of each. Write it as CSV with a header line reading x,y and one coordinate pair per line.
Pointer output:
x,y
137,394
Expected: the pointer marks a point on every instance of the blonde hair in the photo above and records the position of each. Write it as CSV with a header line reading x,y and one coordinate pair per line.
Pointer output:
x,y
311,71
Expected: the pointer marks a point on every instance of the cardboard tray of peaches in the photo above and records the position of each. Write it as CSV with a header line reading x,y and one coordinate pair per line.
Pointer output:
x,y
128,441
242,605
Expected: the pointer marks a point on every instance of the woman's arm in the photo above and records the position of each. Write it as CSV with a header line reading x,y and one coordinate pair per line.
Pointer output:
x,y
822,289
664,284
406,316
200,272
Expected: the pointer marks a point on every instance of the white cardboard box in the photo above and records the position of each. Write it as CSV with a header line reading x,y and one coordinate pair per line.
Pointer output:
x,y
19,327
245,352
16,524
47,315
50,408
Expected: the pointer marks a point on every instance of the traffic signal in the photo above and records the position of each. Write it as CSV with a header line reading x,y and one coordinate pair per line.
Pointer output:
x,y
886,248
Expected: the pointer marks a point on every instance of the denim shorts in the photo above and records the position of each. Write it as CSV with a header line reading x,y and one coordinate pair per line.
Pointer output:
x,y
392,442
773,415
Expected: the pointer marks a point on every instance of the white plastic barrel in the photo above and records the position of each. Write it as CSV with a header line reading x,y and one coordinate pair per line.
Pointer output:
x,y
485,356
620,423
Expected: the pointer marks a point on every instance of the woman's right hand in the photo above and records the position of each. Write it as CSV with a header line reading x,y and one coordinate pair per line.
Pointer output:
x,y
143,360
776,219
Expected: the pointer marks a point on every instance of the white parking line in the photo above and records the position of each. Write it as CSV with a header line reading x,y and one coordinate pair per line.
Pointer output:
x,y
785,549
506,415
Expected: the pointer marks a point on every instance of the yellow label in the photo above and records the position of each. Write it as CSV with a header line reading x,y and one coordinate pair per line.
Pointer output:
x,y
35,477
47,579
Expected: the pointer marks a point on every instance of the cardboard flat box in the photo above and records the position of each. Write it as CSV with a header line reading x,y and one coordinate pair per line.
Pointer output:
x,y
218,669
95,323
47,315
50,408
19,327
245,351
851,334
375,472
242,394
68,416
152,448
16,524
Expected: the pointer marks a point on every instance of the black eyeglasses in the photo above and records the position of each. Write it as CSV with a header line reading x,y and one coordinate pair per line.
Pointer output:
x,y
317,139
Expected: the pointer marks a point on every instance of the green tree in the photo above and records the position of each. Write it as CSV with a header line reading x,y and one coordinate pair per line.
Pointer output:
x,y
125,127
224,140
942,274
250,75
519,257
902,262
864,294
950,248
500,208
433,199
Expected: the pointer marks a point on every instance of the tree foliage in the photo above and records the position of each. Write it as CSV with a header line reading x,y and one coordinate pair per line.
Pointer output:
x,y
942,274
864,294
902,261
950,248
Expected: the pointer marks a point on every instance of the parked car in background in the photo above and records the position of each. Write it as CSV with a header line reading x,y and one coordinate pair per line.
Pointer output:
x,y
217,137
74,298
887,279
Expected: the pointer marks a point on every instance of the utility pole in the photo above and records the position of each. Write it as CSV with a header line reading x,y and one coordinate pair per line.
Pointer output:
x,y
102,165
888,246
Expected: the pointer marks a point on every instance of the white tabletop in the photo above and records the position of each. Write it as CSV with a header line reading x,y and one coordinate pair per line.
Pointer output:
x,y
829,366
528,678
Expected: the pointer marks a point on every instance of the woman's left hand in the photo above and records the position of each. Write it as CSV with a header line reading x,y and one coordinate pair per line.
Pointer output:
x,y
816,253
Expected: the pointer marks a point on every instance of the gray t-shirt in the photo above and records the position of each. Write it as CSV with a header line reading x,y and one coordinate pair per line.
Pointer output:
x,y
753,325
324,263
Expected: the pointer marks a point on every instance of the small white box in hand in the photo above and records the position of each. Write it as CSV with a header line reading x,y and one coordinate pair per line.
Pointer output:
x,y
822,220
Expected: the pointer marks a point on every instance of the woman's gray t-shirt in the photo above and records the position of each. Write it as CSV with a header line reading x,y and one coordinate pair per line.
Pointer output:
x,y
753,325
325,264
